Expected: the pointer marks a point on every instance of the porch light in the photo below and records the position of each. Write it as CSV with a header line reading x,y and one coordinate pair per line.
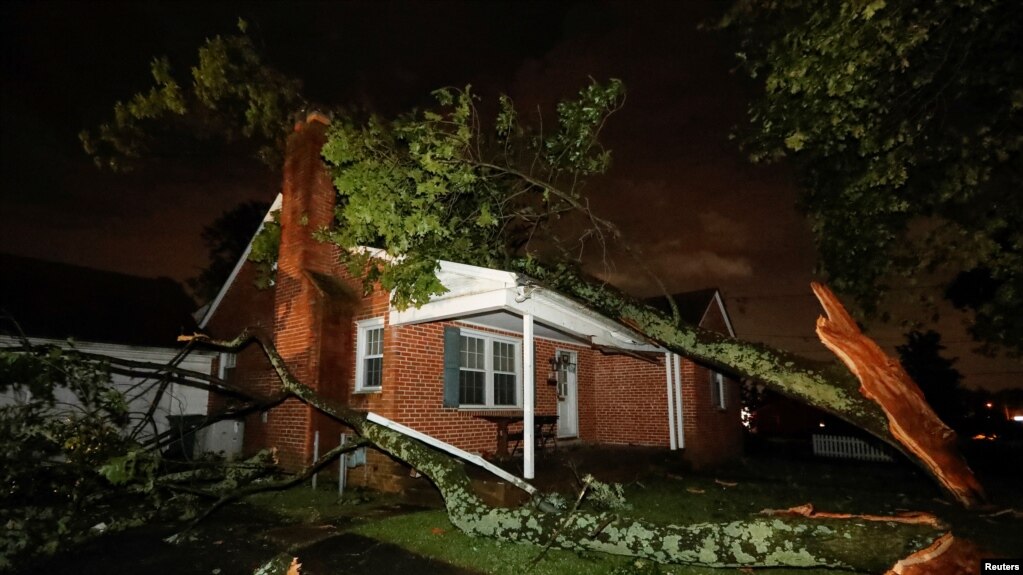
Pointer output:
x,y
552,375
561,366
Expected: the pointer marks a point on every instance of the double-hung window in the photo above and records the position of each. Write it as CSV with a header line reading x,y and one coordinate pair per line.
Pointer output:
x,y
369,366
488,370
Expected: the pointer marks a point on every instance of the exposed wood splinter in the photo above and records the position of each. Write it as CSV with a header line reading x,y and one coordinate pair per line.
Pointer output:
x,y
807,510
911,420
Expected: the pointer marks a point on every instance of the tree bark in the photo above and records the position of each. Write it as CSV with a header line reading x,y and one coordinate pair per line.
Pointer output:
x,y
772,541
826,386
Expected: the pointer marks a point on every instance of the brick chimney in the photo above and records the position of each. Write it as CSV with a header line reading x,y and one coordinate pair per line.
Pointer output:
x,y
302,314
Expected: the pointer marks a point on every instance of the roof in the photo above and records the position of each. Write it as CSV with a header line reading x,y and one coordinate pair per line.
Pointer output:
x,y
498,299
56,300
206,312
693,306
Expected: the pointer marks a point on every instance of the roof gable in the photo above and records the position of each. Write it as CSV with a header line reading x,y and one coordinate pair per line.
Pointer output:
x,y
696,307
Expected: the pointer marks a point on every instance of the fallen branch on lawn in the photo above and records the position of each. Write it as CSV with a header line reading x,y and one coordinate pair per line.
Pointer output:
x,y
827,386
253,488
760,541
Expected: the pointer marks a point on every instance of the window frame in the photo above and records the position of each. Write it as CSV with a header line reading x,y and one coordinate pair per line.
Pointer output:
x,y
489,371
227,366
717,382
363,327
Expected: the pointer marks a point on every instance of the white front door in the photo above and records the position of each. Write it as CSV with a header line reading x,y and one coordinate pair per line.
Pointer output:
x,y
568,396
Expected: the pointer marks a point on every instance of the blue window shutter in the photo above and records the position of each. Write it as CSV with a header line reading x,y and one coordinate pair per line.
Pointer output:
x,y
452,347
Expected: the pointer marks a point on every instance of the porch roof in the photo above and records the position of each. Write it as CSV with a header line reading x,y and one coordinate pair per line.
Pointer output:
x,y
498,299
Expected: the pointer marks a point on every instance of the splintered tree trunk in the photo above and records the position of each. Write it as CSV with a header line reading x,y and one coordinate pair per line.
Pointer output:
x,y
911,420
884,407
789,539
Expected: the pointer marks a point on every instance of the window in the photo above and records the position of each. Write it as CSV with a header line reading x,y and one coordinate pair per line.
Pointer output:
x,y
717,390
228,363
369,367
488,371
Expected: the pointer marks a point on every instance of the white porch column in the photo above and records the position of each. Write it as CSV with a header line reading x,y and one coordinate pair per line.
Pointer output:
x,y
528,395
671,401
678,398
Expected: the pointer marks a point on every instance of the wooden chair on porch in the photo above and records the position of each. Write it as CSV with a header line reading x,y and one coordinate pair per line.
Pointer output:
x,y
545,433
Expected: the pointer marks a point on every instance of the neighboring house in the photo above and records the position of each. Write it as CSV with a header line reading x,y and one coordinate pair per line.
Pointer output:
x,y
110,314
442,367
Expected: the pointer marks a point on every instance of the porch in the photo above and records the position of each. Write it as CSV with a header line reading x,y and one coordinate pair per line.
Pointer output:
x,y
517,351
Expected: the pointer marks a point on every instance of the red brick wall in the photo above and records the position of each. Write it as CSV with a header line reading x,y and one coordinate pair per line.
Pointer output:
x,y
245,306
412,392
712,436
630,401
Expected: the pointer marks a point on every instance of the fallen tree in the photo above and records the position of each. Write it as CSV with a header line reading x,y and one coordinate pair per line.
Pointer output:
x,y
890,406
765,541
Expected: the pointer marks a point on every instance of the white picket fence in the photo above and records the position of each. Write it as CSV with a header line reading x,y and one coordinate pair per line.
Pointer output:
x,y
847,448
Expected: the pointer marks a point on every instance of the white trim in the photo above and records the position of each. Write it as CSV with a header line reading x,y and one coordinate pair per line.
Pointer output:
x,y
361,329
489,290
718,379
227,360
724,314
677,361
671,402
573,410
450,307
434,442
510,279
275,206
528,390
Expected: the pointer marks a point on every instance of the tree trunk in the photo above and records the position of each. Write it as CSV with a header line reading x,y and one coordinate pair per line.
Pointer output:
x,y
782,540
911,420
826,386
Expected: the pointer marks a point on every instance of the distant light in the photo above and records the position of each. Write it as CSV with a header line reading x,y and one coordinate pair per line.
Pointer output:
x,y
821,424
989,405
1017,417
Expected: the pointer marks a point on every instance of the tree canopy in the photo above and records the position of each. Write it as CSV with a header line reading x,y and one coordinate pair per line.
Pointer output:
x,y
903,121
232,96
450,183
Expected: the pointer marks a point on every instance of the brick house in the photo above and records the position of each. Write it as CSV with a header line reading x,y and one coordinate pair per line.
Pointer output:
x,y
464,355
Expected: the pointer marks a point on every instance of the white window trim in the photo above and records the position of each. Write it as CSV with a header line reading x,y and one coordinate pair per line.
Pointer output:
x,y
362,327
488,359
227,361
719,380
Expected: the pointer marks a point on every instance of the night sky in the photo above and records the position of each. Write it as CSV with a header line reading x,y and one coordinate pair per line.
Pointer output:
x,y
679,187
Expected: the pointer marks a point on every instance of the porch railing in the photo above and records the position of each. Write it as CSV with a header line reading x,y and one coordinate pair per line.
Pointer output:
x,y
845,447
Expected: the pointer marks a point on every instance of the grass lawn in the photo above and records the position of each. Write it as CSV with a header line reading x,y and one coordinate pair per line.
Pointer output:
x,y
729,494
378,534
